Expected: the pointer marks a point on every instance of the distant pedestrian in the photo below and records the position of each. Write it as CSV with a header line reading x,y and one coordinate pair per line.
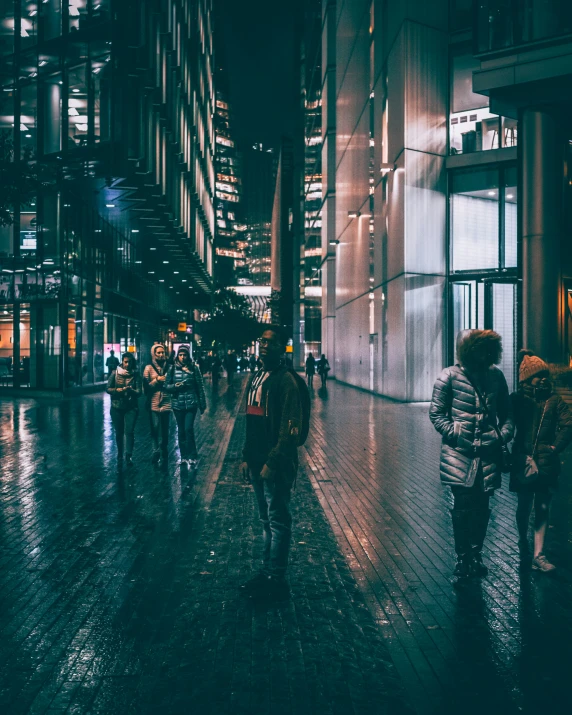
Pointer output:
x,y
274,425
154,379
125,388
216,366
230,365
252,363
185,384
323,369
111,363
543,430
472,411
310,370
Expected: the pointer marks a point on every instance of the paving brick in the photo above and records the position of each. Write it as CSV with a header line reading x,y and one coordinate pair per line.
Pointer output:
x,y
118,591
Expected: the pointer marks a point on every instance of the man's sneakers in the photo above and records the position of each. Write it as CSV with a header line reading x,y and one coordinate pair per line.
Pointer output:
x,y
266,588
540,563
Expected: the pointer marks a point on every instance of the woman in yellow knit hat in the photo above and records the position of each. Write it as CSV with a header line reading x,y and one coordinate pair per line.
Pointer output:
x,y
543,430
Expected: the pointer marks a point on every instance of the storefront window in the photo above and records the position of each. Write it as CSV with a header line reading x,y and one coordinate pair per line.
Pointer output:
x,y
73,372
6,344
52,346
77,106
98,345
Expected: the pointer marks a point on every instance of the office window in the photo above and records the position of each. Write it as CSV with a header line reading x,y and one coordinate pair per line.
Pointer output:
x,y
29,23
29,121
77,106
77,14
101,79
51,18
7,27
52,113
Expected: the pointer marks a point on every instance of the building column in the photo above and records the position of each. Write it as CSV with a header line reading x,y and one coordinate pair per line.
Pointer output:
x,y
541,159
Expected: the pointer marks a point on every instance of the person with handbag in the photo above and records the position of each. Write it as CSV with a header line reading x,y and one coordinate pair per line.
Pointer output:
x,y
472,411
185,384
124,386
543,431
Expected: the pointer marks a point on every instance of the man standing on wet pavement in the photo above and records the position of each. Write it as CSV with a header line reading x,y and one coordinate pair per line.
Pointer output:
x,y
274,418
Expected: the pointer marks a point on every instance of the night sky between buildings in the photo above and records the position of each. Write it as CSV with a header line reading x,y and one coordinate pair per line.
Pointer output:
x,y
256,40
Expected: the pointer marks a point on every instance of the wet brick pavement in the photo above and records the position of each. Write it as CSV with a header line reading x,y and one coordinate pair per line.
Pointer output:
x,y
502,647
118,590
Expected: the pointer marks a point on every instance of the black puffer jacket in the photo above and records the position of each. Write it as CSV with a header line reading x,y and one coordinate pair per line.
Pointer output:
x,y
555,431
186,386
469,437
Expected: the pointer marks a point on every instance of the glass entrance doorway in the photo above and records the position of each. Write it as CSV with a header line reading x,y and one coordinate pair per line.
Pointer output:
x,y
488,304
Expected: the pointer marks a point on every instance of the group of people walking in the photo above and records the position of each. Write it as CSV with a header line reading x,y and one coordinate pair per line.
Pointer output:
x,y
477,418
471,408
313,366
169,389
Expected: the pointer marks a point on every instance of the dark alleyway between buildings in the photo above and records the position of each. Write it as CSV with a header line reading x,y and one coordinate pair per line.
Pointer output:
x,y
118,591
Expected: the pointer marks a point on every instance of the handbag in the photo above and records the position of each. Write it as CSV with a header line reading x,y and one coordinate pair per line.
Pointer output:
x,y
506,455
529,473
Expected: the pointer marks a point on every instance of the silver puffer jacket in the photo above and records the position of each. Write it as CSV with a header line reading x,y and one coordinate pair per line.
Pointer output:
x,y
470,440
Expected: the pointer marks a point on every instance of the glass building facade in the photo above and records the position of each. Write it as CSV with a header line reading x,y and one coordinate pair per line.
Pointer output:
x,y
432,188
230,245
108,106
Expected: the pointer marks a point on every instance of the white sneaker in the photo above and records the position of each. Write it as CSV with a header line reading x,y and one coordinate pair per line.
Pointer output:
x,y
192,463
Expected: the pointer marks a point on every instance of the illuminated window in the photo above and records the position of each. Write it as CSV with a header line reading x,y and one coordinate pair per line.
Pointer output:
x,y
77,106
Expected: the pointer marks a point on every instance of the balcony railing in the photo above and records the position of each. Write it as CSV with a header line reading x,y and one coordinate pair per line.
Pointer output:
x,y
504,24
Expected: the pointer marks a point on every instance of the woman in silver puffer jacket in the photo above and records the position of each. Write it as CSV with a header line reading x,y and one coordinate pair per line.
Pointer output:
x,y
472,411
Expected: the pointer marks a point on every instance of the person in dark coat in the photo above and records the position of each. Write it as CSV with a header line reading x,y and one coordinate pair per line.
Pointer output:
x,y
323,369
185,384
310,370
543,430
125,388
274,419
472,411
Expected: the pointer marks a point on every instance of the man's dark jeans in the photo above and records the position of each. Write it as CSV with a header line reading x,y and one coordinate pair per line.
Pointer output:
x,y
186,433
273,496
124,424
160,422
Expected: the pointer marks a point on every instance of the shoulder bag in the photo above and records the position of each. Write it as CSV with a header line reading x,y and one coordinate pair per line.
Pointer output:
x,y
506,456
528,473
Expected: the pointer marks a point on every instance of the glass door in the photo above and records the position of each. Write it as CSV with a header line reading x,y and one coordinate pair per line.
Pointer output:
x,y
489,304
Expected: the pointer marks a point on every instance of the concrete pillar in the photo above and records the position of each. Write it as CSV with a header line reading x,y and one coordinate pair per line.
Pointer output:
x,y
541,166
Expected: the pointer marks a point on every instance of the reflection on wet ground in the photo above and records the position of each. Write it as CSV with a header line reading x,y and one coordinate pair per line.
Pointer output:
x,y
118,589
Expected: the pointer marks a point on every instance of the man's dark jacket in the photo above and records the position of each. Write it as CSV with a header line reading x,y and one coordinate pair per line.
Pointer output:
x,y
280,426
